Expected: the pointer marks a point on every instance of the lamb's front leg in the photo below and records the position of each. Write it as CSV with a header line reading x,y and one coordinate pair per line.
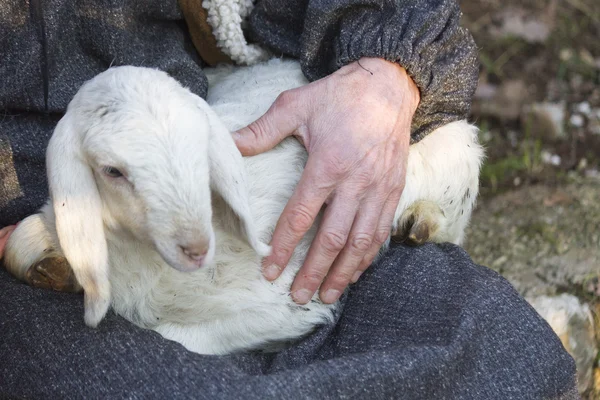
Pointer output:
x,y
261,327
33,255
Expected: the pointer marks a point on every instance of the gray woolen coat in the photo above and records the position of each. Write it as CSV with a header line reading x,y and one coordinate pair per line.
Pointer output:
x,y
49,48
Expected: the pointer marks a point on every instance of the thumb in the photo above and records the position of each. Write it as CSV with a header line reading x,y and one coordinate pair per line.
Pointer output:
x,y
4,235
279,122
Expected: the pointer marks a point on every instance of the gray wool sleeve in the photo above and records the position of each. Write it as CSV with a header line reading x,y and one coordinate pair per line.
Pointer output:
x,y
423,36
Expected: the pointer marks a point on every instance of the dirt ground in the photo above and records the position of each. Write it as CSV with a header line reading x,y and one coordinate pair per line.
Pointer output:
x,y
538,108
538,101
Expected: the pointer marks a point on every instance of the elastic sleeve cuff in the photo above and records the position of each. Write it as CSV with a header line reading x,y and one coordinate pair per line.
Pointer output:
x,y
440,56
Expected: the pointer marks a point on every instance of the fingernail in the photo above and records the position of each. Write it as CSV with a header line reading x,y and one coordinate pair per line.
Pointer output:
x,y
356,275
330,296
272,272
302,296
236,136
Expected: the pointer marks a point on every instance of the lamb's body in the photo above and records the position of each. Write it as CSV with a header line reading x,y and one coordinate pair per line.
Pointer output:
x,y
228,305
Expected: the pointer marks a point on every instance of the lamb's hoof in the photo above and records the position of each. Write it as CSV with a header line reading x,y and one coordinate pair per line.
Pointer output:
x,y
53,273
419,224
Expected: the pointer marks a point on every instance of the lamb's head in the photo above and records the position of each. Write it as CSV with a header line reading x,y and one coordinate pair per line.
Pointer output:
x,y
138,154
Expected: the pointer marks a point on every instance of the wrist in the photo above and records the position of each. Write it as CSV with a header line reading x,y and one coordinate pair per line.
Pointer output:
x,y
393,74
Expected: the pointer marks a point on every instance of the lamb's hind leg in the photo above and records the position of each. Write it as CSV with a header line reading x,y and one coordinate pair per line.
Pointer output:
x,y
32,255
442,182
421,222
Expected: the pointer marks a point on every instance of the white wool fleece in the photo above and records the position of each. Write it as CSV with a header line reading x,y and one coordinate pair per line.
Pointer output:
x,y
226,18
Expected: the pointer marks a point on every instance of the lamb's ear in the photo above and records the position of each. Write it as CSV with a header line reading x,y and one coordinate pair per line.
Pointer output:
x,y
228,178
78,211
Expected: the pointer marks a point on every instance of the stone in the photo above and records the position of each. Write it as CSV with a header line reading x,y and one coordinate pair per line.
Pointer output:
x,y
596,392
485,91
517,23
573,322
577,120
545,120
549,158
584,108
594,125
504,102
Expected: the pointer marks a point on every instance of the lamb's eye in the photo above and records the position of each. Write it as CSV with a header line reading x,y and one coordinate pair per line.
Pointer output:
x,y
112,172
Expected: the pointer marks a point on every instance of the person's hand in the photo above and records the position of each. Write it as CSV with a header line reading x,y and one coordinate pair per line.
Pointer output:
x,y
4,235
355,125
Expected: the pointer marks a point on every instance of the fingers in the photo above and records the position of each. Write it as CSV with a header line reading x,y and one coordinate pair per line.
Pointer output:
x,y
296,219
329,242
279,122
381,234
4,235
359,242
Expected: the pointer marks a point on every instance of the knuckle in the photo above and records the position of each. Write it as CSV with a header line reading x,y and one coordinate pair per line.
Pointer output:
x,y
283,253
361,242
335,165
258,128
364,177
284,99
341,278
365,264
339,161
300,219
314,278
392,186
397,187
371,256
386,224
333,241
381,237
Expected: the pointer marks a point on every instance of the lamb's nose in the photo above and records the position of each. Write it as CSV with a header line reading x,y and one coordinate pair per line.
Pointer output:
x,y
196,253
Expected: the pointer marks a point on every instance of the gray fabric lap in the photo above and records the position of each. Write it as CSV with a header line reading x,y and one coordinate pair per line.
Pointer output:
x,y
421,323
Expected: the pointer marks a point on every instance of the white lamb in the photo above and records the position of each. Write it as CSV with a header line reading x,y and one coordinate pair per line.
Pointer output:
x,y
159,216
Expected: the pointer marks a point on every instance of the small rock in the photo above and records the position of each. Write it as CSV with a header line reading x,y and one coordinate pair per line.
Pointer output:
x,y
485,91
594,123
574,325
545,155
555,160
584,108
586,57
549,158
515,22
517,181
546,120
513,138
499,261
576,81
592,173
504,102
557,198
576,120
485,136
565,54
596,391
